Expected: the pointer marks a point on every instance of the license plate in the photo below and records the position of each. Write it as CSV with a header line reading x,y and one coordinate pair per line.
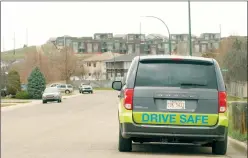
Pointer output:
x,y
175,104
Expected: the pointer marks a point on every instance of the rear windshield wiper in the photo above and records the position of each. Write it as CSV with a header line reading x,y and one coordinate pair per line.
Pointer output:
x,y
192,84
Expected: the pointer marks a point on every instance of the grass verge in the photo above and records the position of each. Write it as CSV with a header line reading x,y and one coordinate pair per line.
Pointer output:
x,y
236,134
13,103
232,132
103,89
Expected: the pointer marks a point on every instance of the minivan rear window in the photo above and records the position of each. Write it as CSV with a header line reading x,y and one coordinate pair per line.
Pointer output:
x,y
176,74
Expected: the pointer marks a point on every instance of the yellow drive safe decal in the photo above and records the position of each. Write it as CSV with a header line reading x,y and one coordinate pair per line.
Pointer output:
x,y
175,118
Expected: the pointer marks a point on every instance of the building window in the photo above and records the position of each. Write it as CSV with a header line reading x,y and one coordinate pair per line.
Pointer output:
x,y
89,74
94,64
89,47
98,37
88,64
95,47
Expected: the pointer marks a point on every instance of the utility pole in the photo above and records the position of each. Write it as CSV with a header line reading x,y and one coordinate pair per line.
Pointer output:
x,y
14,43
3,45
140,39
26,36
66,71
220,38
190,44
114,66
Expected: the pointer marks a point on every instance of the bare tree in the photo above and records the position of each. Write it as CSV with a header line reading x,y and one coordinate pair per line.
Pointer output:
x,y
235,60
65,62
97,74
81,71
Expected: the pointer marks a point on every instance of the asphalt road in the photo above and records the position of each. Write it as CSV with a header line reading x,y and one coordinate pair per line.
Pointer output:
x,y
81,127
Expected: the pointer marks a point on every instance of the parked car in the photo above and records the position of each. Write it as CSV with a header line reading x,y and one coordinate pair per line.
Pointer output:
x,y
4,92
51,94
23,87
85,88
55,84
173,99
65,88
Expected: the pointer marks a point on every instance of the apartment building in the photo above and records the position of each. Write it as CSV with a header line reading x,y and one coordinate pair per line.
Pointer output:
x,y
139,43
103,36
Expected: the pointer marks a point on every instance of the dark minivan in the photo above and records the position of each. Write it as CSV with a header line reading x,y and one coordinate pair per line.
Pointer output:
x,y
173,99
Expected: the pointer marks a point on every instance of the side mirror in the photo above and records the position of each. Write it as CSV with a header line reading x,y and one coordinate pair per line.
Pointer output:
x,y
117,85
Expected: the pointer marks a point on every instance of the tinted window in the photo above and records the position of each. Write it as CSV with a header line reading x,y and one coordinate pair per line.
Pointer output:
x,y
51,90
69,86
174,74
62,86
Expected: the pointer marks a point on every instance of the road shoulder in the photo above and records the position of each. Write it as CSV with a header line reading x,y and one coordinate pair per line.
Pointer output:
x,y
240,146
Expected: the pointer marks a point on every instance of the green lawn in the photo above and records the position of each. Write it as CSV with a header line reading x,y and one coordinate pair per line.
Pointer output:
x,y
232,132
103,89
235,134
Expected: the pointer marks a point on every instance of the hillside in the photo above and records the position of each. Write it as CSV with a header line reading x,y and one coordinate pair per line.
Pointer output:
x,y
44,49
19,53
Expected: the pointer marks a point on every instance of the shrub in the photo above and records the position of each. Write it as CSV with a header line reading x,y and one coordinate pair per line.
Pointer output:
x,y
36,84
13,82
22,95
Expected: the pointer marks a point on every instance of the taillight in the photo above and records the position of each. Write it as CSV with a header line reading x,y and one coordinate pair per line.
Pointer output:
x,y
177,59
222,102
128,100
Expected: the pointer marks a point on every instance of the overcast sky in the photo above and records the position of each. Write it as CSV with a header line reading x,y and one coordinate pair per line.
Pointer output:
x,y
51,19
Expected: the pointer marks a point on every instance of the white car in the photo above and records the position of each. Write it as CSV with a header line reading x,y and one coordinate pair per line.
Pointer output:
x,y
85,88
65,88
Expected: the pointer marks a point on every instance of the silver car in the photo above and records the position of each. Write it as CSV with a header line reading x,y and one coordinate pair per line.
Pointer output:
x,y
51,94
65,88
85,88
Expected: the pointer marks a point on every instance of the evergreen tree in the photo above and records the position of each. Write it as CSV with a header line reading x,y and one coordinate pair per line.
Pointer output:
x,y
13,82
36,84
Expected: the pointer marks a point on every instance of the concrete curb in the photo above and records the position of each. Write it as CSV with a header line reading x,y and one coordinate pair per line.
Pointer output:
x,y
240,146
33,102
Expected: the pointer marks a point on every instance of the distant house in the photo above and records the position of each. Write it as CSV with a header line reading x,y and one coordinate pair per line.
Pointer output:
x,y
118,66
95,66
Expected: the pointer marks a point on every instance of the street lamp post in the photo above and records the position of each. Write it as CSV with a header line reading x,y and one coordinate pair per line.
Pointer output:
x,y
190,45
114,65
166,28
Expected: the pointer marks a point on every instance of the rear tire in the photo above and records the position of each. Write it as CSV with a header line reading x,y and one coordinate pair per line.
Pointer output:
x,y
44,102
125,145
67,91
220,147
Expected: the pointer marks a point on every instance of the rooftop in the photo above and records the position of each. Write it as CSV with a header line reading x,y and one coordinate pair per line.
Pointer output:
x,y
130,57
102,56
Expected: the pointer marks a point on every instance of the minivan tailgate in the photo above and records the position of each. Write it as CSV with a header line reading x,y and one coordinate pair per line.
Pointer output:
x,y
175,106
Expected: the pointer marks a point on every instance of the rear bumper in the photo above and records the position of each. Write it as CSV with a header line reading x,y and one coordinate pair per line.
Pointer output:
x,y
86,90
130,130
51,99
